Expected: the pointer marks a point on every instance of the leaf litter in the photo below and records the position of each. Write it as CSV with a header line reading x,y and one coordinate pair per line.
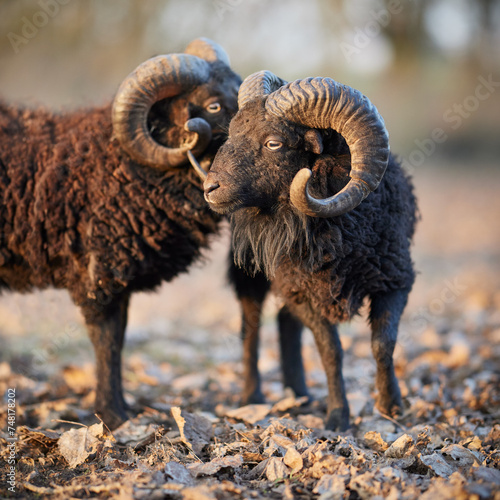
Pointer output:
x,y
190,440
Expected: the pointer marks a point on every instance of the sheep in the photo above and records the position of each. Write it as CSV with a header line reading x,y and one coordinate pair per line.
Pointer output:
x,y
100,201
317,202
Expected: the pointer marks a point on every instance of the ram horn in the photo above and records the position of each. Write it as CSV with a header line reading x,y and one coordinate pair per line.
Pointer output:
x,y
322,103
156,79
208,50
258,84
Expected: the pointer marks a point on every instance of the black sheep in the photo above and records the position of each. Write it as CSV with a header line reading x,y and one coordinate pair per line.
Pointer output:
x,y
302,175
100,201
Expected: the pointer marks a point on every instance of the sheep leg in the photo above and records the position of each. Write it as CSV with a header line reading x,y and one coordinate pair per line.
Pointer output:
x,y
251,292
330,349
251,311
107,332
385,313
290,337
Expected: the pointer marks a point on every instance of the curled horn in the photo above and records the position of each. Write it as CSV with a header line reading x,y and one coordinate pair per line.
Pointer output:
x,y
158,78
260,83
211,52
322,103
208,50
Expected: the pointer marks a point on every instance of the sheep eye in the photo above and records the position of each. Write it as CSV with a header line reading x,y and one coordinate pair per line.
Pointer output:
x,y
214,107
273,145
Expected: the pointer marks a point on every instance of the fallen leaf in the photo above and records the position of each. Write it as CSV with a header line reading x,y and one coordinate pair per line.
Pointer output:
x,y
293,459
438,464
487,474
204,469
196,431
374,441
311,421
250,413
286,404
400,447
76,445
276,469
332,486
278,443
215,465
177,473
460,456
133,432
366,485
198,493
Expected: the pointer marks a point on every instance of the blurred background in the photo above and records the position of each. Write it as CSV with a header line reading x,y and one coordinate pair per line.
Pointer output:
x,y
432,67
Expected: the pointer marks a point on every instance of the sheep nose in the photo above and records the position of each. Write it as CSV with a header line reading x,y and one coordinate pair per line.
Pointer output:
x,y
210,185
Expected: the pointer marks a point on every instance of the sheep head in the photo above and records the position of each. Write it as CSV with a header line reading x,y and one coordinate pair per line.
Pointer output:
x,y
172,107
276,137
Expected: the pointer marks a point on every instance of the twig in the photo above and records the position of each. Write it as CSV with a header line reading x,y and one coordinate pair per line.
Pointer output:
x,y
395,422
69,422
102,422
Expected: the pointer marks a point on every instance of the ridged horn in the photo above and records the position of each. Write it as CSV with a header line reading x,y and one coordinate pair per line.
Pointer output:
x,y
208,50
158,78
260,83
322,103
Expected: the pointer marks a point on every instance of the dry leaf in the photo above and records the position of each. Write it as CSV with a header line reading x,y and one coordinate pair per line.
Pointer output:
x,y
133,432
198,493
250,413
400,447
177,473
374,441
332,485
438,464
278,443
365,485
196,431
276,469
293,459
460,456
76,445
215,465
204,469
487,474
233,461
311,421
450,488
286,404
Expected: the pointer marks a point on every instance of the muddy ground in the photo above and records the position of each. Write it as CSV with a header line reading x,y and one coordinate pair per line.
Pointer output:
x,y
183,379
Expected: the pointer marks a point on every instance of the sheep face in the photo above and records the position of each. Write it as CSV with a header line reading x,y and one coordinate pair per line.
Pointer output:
x,y
256,165
215,102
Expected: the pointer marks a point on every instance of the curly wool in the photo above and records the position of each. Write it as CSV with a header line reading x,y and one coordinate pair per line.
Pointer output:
x,y
77,213
333,263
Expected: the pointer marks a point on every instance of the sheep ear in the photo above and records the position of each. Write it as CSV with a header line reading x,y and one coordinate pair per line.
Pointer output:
x,y
313,141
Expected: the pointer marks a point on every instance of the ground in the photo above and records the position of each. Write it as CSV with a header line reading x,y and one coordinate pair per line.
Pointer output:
x,y
183,379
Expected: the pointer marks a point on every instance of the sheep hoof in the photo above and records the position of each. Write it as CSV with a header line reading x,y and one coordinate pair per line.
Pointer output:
x,y
112,418
338,420
390,406
255,398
